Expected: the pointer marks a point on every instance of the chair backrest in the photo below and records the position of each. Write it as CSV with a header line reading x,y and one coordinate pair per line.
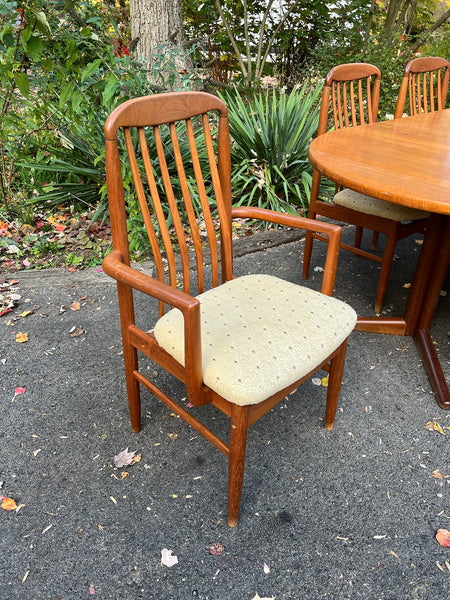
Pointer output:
x,y
425,81
175,150
353,90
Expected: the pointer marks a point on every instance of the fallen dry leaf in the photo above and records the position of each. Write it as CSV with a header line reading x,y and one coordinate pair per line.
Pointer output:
x,y
125,458
75,306
8,503
443,537
168,559
438,475
434,426
76,331
21,338
216,549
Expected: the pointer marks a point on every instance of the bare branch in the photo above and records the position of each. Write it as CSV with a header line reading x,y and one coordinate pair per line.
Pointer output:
x,y
231,37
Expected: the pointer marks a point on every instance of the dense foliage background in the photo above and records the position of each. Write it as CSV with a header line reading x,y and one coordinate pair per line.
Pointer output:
x,y
64,66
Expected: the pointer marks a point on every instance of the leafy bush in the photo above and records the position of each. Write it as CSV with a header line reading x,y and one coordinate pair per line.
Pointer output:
x,y
63,70
270,139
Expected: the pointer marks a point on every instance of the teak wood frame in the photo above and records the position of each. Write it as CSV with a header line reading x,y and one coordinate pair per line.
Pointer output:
x,y
353,91
151,112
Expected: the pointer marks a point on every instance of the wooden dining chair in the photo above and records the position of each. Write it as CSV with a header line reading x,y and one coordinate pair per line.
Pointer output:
x,y
239,343
425,84
350,99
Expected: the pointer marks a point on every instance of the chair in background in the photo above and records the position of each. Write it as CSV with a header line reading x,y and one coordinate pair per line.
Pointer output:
x,y
247,342
425,84
353,91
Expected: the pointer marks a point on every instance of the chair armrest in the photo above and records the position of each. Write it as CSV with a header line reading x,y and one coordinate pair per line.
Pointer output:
x,y
334,233
114,266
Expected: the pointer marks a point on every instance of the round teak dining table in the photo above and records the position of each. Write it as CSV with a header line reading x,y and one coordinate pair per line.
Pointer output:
x,y
404,161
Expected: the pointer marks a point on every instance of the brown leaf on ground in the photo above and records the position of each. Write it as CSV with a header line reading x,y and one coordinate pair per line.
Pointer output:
x,y
443,537
76,331
216,549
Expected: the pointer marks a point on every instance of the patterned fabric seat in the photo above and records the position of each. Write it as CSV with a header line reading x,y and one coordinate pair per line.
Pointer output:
x,y
250,349
378,208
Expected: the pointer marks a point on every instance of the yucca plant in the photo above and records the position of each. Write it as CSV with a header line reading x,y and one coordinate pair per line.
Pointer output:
x,y
270,138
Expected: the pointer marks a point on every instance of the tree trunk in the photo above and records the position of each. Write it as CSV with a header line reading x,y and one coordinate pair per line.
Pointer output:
x,y
157,28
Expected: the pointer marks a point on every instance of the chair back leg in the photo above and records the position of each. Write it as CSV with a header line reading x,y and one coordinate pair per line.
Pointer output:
x,y
386,267
315,186
358,236
236,460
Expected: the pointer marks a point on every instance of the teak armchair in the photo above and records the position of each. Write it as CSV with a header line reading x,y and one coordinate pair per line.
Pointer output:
x,y
425,84
247,342
353,91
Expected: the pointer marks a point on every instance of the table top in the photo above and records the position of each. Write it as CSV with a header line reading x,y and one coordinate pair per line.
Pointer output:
x,y
405,161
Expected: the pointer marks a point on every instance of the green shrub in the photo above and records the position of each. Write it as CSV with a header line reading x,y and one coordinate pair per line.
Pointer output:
x,y
270,136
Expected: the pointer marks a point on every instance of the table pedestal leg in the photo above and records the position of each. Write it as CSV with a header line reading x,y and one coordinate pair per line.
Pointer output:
x,y
430,273
427,285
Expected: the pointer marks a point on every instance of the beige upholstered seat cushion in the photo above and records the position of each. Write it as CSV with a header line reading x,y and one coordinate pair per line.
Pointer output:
x,y
259,335
376,207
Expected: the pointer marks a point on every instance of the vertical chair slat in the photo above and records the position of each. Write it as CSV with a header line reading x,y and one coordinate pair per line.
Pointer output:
x,y
369,101
224,161
439,91
172,206
209,224
419,95
339,105
334,105
142,199
190,211
219,197
179,229
425,93
412,107
141,196
345,103
352,103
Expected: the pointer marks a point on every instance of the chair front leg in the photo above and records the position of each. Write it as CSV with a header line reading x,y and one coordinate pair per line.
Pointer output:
x,y
125,294
236,461
334,385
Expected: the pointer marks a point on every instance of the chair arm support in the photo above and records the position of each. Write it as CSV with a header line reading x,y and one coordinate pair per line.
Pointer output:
x,y
334,233
114,266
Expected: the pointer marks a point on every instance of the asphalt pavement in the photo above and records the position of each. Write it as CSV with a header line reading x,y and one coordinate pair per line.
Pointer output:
x,y
348,514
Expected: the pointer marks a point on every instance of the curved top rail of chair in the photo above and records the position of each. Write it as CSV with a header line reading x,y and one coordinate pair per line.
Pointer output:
x,y
135,112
